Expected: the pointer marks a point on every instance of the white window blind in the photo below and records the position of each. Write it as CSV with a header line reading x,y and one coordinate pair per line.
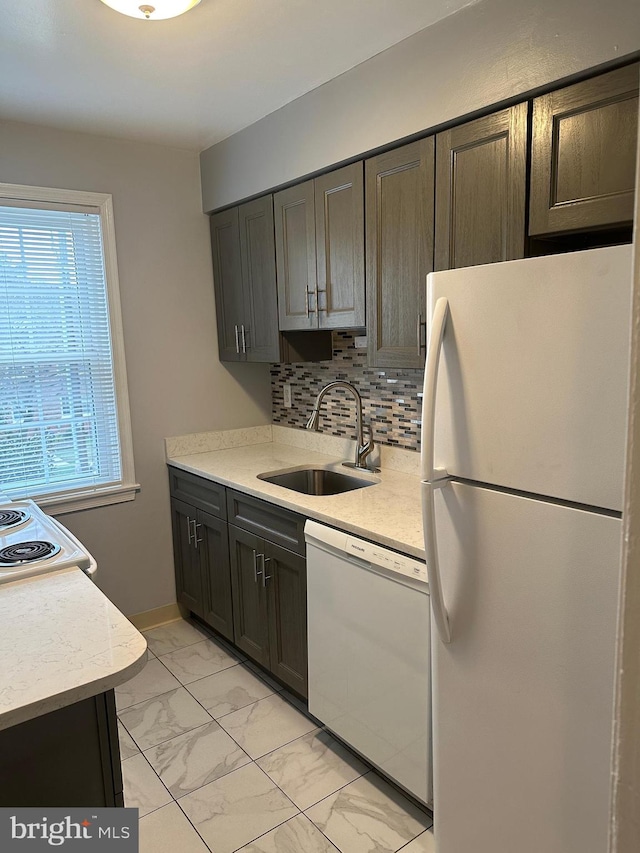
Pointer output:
x,y
59,425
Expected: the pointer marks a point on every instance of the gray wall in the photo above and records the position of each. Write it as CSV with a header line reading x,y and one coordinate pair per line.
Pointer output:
x,y
486,53
176,383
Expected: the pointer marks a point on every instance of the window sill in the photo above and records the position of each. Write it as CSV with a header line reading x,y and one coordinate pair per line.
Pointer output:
x,y
76,501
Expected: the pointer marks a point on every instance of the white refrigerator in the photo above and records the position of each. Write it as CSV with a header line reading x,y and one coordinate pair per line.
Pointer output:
x,y
523,444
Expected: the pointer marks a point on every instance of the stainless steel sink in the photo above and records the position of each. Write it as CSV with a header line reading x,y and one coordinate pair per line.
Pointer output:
x,y
316,481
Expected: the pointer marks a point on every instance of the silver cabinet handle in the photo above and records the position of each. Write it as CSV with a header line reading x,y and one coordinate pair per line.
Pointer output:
x,y
189,520
196,525
237,340
265,576
256,570
244,339
421,324
310,308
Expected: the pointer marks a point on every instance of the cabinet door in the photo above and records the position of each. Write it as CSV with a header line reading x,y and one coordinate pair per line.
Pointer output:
x,y
481,180
78,758
584,154
296,257
250,626
186,557
227,280
339,200
259,330
286,582
213,545
399,187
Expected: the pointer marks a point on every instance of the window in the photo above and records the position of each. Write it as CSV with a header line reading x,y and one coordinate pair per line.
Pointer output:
x,y
65,435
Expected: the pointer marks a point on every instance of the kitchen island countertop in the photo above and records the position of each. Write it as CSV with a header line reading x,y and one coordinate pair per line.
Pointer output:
x,y
388,513
61,641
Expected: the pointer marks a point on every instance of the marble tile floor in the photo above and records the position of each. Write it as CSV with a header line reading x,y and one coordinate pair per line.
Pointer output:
x,y
219,758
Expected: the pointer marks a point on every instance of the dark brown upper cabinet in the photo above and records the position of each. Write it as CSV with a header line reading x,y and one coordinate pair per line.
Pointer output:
x,y
481,183
227,280
296,256
320,252
584,154
245,282
339,201
259,335
399,200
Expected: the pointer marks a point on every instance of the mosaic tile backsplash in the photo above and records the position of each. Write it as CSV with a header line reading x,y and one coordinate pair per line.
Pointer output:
x,y
391,399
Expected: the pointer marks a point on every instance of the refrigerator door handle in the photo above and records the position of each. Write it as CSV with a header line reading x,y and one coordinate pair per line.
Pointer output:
x,y
438,325
435,477
440,615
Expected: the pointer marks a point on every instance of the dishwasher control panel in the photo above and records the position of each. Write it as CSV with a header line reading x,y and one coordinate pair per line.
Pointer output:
x,y
386,559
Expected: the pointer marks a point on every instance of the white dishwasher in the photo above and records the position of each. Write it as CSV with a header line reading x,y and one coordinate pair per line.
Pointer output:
x,y
369,652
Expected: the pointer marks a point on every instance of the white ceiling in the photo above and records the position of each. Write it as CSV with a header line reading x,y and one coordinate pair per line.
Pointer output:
x,y
193,80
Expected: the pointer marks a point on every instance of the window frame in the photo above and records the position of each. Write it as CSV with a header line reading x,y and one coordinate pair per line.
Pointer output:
x,y
72,500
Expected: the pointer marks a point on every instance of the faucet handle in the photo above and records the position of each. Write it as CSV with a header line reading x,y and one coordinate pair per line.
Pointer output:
x,y
369,443
367,447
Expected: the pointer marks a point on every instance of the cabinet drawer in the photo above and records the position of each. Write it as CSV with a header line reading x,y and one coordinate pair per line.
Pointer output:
x,y
278,525
198,492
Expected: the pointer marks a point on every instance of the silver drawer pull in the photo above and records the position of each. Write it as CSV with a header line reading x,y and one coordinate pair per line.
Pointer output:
x,y
265,576
237,339
256,570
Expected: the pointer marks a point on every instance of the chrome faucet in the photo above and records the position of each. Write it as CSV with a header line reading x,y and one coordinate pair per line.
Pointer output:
x,y
363,449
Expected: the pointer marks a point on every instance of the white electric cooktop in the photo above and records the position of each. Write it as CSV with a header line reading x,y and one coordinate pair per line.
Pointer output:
x,y
34,543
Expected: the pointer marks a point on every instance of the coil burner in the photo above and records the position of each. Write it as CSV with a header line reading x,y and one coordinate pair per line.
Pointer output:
x,y
12,518
27,552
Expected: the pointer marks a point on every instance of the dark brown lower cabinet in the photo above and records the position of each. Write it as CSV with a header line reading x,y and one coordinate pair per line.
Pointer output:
x,y
250,618
246,579
286,579
270,606
201,556
69,757
213,547
186,558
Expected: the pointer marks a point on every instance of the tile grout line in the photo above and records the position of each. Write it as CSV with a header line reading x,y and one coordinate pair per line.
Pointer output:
x,y
420,834
159,780
224,668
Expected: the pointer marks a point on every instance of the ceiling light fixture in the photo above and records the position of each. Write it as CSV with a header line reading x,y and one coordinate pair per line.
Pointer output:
x,y
156,10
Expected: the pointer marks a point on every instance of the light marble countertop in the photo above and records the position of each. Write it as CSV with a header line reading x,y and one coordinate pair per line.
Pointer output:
x,y
388,513
61,640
